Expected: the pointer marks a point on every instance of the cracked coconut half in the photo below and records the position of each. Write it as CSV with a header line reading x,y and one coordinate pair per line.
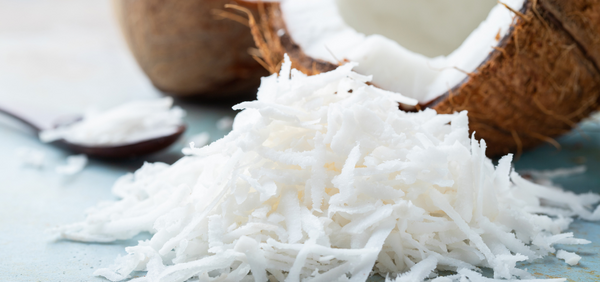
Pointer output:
x,y
526,70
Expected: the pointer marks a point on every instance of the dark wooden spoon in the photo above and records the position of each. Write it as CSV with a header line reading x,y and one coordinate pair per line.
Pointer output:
x,y
38,122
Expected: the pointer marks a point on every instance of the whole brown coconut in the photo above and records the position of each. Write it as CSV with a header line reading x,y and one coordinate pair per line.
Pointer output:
x,y
541,79
186,50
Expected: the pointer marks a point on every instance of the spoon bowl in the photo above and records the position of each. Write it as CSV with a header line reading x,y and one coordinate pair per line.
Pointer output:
x,y
124,151
112,151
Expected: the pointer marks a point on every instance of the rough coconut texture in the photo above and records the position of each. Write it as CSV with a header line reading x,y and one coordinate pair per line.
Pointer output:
x,y
581,19
542,78
323,179
185,50
538,84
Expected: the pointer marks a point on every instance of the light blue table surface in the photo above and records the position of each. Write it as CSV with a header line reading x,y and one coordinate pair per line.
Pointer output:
x,y
577,148
32,200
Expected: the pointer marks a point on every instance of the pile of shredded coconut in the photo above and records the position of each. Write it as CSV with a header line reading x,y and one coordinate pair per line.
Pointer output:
x,y
323,179
128,123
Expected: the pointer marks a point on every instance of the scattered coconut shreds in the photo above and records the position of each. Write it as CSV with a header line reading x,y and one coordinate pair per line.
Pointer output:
x,y
128,123
31,157
224,123
315,183
548,175
74,165
568,257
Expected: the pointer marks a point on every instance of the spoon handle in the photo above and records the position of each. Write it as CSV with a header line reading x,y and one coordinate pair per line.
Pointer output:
x,y
13,114
35,116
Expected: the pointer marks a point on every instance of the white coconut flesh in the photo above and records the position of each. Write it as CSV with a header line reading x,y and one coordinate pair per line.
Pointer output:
x,y
418,48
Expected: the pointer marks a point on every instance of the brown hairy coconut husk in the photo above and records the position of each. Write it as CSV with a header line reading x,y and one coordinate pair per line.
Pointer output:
x,y
187,49
538,81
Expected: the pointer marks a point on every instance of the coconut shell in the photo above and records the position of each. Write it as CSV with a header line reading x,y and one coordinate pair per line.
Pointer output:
x,y
300,60
541,80
185,50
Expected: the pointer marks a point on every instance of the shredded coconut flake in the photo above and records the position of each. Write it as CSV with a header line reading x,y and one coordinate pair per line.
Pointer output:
x,y
74,165
568,257
548,175
200,139
317,183
224,123
128,123
31,157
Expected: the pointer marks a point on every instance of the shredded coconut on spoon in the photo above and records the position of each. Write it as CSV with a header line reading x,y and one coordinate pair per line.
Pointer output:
x,y
125,124
323,179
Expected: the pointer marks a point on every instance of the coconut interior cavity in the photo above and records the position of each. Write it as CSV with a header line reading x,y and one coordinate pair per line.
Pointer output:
x,y
428,27
334,30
